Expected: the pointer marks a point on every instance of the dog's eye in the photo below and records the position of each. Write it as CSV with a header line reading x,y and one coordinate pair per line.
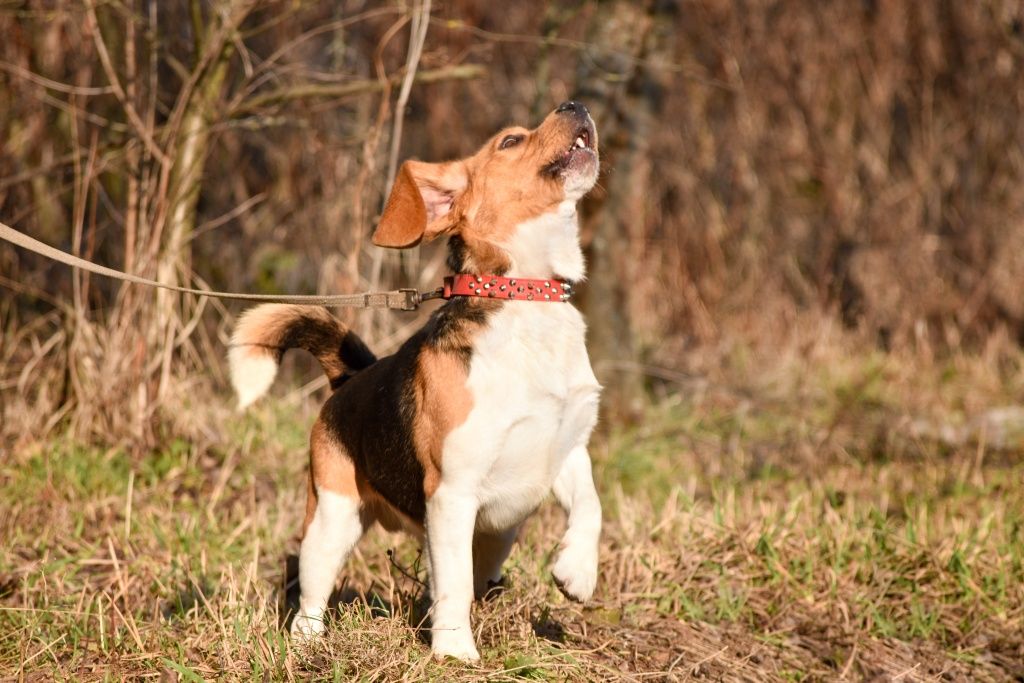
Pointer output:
x,y
510,141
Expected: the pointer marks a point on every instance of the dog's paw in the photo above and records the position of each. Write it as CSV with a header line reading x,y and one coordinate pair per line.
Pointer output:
x,y
457,643
306,627
575,574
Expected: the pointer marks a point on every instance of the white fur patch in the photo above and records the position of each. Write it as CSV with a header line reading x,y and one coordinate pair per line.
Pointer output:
x,y
547,246
535,396
333,532
580,182
252,372
450,522
575,568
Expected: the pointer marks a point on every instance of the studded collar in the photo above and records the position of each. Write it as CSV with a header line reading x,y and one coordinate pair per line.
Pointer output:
x,y
506,288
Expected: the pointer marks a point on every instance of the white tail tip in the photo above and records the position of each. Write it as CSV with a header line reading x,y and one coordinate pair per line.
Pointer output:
x,y
253,369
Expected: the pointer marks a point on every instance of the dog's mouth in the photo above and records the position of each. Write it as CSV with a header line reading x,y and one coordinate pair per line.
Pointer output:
x,y
582,140
582,146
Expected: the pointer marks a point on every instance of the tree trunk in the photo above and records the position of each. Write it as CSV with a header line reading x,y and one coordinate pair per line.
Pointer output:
x,y
186,174
623,96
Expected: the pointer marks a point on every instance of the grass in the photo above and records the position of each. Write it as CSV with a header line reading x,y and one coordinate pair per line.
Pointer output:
x,y
805,523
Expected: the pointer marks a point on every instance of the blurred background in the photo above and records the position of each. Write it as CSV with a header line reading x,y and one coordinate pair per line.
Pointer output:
x,y
763,163
806,255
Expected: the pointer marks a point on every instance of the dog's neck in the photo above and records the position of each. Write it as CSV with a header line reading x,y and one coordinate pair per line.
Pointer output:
x,y
547,246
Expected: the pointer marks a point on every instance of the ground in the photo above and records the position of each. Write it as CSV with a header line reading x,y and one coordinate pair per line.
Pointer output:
x,y
841,516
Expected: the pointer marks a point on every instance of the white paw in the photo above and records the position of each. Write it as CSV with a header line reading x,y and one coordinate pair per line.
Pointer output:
x,y
575,573
306,627
457,643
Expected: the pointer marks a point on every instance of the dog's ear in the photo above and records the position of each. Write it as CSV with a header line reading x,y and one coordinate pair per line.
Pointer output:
x,y
420,205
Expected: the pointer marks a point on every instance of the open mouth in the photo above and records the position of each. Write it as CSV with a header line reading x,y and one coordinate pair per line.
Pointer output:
x,y
582,140
582,144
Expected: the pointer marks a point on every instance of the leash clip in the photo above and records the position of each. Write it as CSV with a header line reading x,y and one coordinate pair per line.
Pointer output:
x,y
438,293
411,300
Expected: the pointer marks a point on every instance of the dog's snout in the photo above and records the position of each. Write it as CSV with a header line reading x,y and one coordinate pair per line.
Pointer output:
x,y
571,106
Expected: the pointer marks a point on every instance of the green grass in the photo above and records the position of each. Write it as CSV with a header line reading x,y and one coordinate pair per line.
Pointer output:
x,y
785,529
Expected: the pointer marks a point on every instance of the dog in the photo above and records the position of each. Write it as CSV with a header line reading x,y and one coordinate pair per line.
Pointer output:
x,y
463,432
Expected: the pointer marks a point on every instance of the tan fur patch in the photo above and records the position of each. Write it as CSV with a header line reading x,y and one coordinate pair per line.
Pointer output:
x,y
442,404
390,517
330,466
311,499
405,216
331,469
483,197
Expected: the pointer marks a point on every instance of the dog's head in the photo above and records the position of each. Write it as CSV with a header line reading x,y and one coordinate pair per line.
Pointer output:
x,y
518,175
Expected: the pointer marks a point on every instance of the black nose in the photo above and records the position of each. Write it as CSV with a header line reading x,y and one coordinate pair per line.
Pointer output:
x,y
571,106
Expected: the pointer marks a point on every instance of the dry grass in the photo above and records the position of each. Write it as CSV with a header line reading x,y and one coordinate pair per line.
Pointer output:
x,y
791,520
794,504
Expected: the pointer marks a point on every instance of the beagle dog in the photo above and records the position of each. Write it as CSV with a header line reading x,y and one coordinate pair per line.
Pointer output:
x,y
461,434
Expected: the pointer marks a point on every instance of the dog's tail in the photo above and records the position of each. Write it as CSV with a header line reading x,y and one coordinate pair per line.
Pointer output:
x,y
265,332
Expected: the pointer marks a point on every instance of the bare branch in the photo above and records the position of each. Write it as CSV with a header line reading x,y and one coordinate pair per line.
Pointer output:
x,y
49,84
417,36
691,72
461,72
129,108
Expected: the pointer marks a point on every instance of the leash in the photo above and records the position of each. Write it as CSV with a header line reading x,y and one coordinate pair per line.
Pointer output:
x,y
462,285
399,299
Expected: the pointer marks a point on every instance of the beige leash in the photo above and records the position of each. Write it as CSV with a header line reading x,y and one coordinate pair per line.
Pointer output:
x,y
400,299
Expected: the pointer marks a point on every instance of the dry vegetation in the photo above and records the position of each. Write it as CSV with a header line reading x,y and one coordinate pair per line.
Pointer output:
x,y
779,525
811,460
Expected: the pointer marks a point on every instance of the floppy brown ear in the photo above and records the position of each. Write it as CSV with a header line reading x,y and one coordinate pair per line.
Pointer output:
x,y
420,203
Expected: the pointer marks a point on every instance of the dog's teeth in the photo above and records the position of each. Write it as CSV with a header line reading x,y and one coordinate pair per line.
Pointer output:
x,y
580,143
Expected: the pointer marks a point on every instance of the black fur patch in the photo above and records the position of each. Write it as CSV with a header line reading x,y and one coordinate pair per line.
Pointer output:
x,y
309,333
444,329
356,356
372,412
457,254
371,415
554,168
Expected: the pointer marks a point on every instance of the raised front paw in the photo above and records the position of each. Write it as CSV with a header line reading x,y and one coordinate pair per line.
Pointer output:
x,y
455,642
575,573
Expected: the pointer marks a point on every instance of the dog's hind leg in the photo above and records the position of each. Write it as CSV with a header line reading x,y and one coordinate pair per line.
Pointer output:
x,y
489,552
335,521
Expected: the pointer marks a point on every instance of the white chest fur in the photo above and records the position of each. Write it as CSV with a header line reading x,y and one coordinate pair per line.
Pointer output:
x,y
535,396
534,399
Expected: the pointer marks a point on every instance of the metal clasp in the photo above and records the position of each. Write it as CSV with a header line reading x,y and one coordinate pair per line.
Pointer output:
x,y
412,299
438,293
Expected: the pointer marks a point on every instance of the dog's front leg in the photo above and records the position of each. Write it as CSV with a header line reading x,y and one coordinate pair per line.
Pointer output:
x,y
575,569
450,521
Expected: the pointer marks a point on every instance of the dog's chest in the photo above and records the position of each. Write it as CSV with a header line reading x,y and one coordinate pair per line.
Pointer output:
x,y
534,399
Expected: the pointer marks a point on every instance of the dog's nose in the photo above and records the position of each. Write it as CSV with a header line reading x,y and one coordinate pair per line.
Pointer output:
x,y
571,106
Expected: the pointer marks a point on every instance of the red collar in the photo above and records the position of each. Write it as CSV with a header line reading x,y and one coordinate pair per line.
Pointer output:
x,y
496,287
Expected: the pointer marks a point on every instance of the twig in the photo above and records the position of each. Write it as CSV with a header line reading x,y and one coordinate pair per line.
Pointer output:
x,y
215,223
849,663
49,84
115,84
312,33
906,672
128,505
686,71
128,621
338,90
417,36
46,648
407,573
